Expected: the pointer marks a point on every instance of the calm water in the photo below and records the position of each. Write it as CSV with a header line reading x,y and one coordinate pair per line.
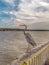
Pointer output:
x,y
13,44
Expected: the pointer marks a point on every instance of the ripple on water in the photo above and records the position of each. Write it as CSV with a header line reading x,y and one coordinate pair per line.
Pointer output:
x,y
13,44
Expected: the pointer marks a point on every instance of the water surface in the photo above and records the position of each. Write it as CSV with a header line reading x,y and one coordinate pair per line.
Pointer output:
x,y
13,44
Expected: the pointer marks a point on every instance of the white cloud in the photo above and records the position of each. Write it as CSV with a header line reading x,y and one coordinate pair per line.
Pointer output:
x,y
44,3
27,13
9,1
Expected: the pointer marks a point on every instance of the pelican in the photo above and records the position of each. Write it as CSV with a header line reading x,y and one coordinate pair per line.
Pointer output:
x,y
28,37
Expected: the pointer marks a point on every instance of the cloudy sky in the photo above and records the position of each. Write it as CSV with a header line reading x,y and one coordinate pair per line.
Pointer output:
x,y
16,12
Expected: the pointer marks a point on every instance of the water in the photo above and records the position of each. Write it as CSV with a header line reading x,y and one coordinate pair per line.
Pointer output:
x,y
13,44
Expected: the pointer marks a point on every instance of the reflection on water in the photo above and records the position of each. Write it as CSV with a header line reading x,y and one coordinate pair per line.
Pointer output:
x,y
13,44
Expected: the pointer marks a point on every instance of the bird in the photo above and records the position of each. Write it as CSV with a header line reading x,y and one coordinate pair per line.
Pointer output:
x,y
28,37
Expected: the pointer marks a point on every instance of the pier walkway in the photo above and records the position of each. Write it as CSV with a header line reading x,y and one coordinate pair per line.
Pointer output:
x,y
38,56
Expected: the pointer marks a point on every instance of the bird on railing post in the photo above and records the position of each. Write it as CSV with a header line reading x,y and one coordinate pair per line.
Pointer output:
x,y
28,38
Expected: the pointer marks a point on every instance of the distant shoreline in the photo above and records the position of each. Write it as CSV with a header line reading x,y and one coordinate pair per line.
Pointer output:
x,y
13,29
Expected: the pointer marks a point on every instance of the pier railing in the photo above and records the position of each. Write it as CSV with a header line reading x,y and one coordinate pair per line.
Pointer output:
x,y
38,56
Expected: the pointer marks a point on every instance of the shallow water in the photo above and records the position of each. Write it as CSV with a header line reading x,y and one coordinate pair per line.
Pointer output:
x,y
13,44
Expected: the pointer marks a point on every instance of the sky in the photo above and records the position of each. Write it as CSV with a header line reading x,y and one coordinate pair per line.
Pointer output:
x,y
16,12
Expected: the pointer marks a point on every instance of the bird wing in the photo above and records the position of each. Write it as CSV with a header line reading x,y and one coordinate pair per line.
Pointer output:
x,y
29,39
